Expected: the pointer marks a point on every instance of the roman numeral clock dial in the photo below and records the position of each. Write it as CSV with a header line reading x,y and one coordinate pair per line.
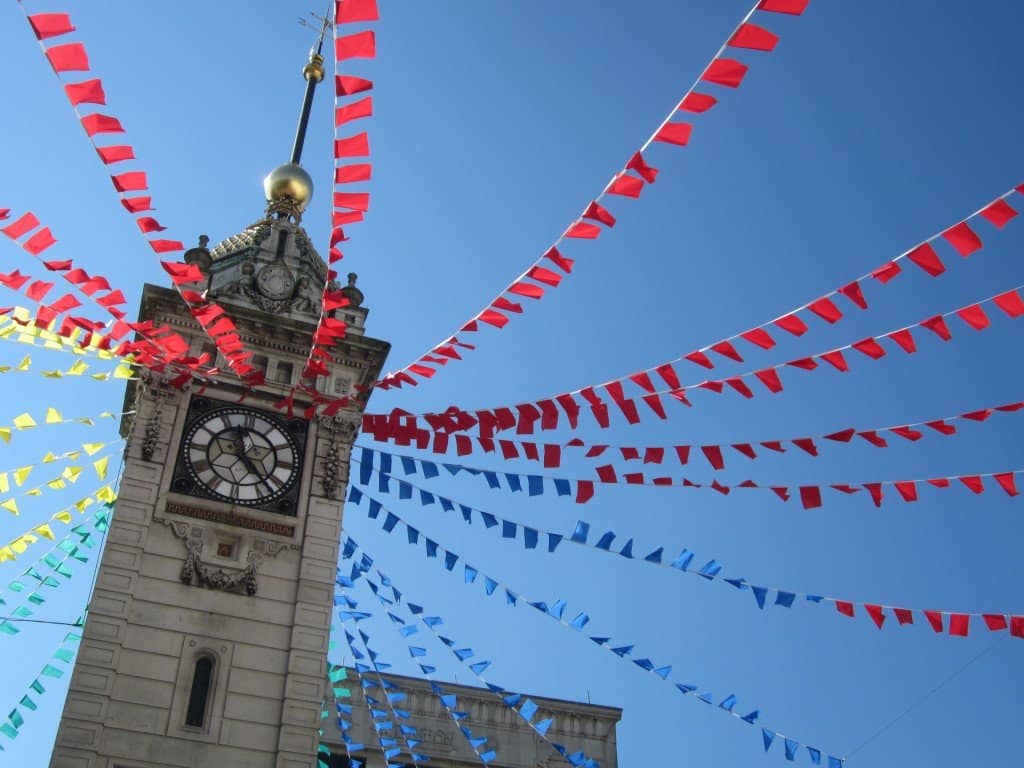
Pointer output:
x,y
240,456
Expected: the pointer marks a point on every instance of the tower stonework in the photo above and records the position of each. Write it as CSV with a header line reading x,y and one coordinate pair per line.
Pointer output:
x,y
207,632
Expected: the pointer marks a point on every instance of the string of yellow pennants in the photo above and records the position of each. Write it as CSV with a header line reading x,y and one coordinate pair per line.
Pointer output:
x,y
19,544
78,368
26,421
19,325
68,476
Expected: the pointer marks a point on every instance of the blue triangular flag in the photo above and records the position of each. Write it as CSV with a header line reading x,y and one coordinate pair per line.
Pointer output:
x,y
759,595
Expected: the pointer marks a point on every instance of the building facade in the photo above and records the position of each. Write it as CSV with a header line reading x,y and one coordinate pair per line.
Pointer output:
x,y
207,632
589,728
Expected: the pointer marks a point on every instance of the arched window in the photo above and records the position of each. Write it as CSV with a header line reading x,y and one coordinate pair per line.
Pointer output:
x,y
199,696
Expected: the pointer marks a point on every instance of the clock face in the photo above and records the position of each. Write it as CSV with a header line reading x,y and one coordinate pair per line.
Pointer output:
x,y
241,456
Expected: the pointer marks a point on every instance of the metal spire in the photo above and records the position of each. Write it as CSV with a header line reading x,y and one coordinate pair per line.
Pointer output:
x,y
314,73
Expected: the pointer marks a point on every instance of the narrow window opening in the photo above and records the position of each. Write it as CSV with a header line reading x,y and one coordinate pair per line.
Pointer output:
x,y
200,693
285,371
260,363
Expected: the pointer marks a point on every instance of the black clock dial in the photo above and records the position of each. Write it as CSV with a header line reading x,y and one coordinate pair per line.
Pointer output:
x,y
241,456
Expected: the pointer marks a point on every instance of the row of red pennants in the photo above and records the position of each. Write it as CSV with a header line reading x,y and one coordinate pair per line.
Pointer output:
x,y
961,237
810,496
629,182
349,207
957,623
394,428
155,347
525,417
72,57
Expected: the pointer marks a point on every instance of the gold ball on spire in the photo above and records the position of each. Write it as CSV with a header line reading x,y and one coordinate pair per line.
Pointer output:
x,y
289,182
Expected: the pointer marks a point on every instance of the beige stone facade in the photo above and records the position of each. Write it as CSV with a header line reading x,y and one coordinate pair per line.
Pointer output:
x,y
186,578
577,726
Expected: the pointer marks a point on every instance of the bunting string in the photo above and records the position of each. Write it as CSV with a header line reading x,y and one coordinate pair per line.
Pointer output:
x,y
48,315
523,708
68,476
349,207
89,286
393,429
19,327
21,474
336,675
131,186
957,621
43,571
557,612
19,544
524,417
122,372
408,732
54,669
960,237
810,496
156,346
383,727
25,421
721,72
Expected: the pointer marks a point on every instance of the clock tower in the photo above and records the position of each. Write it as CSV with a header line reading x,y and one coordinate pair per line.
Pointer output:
x,y
207,632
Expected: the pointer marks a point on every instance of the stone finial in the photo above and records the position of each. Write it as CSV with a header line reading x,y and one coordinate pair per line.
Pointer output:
x,y
354,295
200,255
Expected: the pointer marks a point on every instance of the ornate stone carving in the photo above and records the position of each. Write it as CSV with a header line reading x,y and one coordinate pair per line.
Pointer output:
x,y
157,388
194,570
273,288
339,430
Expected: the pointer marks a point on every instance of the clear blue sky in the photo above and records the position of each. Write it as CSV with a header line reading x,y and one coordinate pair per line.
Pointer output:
x,y
870,127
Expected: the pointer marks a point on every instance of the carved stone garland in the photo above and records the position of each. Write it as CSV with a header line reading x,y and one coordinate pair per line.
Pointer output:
x,y
235,580
339,430
157,388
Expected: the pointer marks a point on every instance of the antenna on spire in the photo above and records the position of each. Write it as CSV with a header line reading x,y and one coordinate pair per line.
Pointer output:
x,y
314,73
322,24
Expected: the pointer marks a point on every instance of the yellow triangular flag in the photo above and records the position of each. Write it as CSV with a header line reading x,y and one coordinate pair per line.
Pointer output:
x,y
82,504
10,505
107,415
6,553
106,494
49,458
101,467
87,422
5,434
37,491
123,372
64,516
20,545
53,374
79,367
25,421
56,484
100,376
53,416
21,475
45,531
24,364
92,448
71,473
5,484
73,455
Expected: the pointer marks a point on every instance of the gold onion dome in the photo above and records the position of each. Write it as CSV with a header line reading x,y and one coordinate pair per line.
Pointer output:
x,y
289,183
